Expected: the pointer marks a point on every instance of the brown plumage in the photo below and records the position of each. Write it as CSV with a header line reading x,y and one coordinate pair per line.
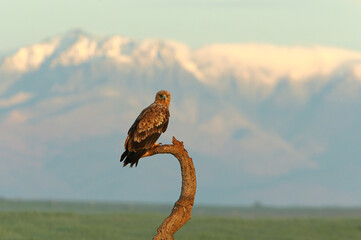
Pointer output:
x,y
146,129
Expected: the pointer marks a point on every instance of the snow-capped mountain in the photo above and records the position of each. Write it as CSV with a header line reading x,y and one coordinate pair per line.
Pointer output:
x,y
262,122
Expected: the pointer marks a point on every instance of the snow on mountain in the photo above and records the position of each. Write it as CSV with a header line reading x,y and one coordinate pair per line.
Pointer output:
x,y
251,62
246,112
248,63
261,67
16,99
29,58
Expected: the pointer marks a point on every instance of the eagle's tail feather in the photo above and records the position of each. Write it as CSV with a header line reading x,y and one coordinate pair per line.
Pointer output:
x,y
132,157
125,153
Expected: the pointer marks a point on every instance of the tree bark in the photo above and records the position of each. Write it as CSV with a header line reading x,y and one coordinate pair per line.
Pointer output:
x,y
182,209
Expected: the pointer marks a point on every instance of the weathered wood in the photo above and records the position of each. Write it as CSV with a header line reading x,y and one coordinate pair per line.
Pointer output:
x,y
182,209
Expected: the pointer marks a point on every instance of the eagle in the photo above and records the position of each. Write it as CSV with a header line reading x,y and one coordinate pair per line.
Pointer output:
x,y
146,129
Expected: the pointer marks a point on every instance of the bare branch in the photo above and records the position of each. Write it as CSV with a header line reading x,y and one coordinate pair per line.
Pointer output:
x,y
182,209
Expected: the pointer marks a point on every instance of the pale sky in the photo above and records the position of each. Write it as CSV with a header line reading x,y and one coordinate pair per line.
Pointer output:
x,y
198,22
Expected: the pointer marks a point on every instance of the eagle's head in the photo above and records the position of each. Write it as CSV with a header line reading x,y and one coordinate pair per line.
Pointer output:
x,y
163,97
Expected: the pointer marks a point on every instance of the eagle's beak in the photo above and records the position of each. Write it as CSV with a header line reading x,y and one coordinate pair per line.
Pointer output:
x,y
163,97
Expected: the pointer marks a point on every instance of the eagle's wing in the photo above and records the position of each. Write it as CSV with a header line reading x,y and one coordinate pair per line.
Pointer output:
x,y
147,128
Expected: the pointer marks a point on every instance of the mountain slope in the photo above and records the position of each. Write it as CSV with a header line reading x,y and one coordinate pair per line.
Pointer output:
x,y
256,119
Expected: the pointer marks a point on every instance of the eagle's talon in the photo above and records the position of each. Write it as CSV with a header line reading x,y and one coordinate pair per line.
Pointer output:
x,y
156,145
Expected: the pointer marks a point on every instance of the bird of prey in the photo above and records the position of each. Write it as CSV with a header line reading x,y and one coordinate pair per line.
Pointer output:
x,y
146,129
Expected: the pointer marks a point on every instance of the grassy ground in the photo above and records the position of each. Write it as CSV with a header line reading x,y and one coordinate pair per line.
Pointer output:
x,y
88,222
70,226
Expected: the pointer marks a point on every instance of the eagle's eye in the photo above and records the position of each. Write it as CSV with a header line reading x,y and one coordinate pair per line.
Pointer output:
x,y
163,97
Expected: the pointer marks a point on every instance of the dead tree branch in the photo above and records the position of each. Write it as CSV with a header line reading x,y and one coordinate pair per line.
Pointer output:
x,y
182,209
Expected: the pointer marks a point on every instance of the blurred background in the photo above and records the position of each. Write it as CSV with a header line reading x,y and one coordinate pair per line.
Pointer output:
x,y
266,96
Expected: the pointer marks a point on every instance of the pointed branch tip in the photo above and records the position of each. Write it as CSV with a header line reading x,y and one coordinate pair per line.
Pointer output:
x,y
176,142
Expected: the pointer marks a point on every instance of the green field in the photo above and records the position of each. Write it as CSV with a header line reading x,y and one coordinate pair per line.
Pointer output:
x,y
51,220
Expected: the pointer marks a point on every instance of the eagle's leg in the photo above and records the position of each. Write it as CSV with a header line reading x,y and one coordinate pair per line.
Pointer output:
x,y
154,145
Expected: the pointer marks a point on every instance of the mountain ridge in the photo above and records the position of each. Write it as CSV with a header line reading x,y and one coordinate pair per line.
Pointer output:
x,y
207,63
